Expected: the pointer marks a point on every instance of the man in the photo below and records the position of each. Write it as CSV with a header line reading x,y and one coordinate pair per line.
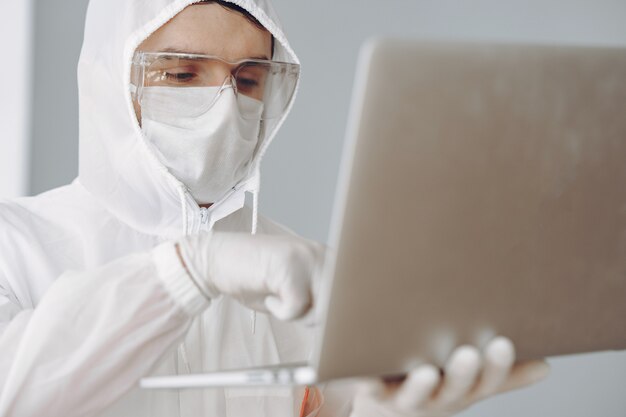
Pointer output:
x,y
149,263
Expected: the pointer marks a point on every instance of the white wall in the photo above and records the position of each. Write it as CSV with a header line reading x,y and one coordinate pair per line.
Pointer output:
x,y
58,36
15,83
301,167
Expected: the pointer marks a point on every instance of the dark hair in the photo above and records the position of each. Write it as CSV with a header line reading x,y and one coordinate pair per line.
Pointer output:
x,y
242,11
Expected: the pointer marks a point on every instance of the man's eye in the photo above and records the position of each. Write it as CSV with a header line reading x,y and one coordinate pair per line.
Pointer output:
x,y
179,76
246,83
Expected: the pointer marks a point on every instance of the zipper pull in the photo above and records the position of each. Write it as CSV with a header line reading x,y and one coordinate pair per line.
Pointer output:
x,y
204,215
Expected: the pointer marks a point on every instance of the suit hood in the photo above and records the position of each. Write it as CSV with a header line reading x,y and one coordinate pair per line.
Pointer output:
x,y
116,165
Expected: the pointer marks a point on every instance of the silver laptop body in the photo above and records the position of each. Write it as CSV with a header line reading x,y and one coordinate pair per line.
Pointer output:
x,y
482,192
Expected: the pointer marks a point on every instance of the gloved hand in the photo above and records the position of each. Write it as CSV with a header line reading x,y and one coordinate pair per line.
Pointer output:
x,y
267,273
467,378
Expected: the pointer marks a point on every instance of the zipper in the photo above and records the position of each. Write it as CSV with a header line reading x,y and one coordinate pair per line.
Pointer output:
x,y
204,215
204,212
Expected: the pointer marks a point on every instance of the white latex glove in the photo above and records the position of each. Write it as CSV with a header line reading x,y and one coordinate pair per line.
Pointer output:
x,y
467,378
267,273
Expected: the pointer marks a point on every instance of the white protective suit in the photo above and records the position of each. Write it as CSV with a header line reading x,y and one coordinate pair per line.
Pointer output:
x,y
86,308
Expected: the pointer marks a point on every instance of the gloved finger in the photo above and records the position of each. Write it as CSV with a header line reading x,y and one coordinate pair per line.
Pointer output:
x,y
314,316
417,388
279,309
525,373
460,375
498,358
311,318
290,303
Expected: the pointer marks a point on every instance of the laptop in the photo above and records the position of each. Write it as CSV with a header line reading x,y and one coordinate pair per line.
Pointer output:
x,y
482,192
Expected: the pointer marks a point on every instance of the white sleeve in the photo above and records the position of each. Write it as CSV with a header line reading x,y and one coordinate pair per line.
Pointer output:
x,y
93,335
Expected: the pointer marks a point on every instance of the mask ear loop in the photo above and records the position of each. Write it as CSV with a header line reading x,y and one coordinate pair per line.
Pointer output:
x,y
137,80
137,77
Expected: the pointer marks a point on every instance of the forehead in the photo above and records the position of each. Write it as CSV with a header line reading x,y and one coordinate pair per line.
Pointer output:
x,y
212,30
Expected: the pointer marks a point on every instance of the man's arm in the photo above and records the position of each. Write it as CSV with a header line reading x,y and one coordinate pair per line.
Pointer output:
x,y
94,335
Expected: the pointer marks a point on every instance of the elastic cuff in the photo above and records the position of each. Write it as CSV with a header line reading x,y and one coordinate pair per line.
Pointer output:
x,y
185,246
177,281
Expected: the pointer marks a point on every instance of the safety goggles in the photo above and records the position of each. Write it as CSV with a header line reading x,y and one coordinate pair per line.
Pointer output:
x,y
271,83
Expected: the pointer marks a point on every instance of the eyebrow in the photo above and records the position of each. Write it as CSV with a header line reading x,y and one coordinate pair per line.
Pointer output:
x,y
180,51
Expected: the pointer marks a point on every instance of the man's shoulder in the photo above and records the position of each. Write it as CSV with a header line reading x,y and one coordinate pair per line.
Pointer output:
x,y
14,216
57,203
35,233
24,219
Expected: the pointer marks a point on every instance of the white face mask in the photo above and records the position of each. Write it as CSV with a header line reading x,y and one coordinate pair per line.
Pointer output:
x,y
209,153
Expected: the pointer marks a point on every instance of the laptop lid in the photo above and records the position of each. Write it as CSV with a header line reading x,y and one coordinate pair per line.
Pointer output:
x,y
483,192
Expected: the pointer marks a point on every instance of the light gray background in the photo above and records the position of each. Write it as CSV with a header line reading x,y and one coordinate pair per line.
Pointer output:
x,y
54,141
15,80
301,168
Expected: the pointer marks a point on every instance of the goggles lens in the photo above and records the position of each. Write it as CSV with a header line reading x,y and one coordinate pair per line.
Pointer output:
x,y
271,83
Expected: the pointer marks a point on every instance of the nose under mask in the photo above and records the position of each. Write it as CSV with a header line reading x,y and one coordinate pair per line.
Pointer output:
x,y
209,153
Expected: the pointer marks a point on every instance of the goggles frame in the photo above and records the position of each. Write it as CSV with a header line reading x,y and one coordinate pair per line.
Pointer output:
x,y
142,60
